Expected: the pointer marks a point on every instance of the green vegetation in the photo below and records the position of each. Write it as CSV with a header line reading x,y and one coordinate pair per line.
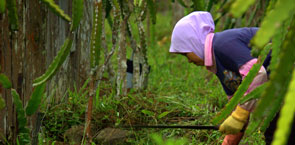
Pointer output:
x,y
191,96
178,93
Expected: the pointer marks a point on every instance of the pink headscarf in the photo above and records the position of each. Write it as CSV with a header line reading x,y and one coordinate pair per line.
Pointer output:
x,y
189,33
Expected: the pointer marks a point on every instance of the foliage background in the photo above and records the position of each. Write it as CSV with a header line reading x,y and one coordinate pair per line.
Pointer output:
x,y
177,92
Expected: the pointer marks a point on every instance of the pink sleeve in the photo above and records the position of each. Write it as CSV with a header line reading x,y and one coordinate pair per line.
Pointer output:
x,y
260,78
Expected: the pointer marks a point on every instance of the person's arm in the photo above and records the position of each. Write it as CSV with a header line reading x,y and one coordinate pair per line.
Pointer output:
x,y
236,121
260,78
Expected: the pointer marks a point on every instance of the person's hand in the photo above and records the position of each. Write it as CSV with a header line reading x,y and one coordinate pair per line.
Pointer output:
x,y
235,122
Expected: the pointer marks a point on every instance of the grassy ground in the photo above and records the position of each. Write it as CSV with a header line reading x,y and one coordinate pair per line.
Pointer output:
x,y
178,93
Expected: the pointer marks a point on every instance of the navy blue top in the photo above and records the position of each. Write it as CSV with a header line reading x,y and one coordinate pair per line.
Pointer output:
x,y
231,49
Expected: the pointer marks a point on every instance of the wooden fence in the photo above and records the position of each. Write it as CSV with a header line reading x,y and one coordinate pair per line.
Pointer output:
x,y
25,54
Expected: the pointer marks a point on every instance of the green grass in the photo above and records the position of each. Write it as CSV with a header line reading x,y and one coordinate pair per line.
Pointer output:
x,y
178,93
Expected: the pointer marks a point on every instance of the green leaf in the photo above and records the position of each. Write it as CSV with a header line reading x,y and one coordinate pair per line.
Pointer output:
x,y
35,100
286,116
240,6
163,114
2,6
56,9
77,15
157,139
56,63
5,82
272,21
12,14
24,137
2,102
147,112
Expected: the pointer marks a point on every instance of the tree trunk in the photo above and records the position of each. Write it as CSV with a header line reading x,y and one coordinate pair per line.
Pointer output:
x,y
122,65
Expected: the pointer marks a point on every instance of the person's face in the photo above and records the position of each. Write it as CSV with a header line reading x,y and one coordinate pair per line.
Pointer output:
x,y
193,58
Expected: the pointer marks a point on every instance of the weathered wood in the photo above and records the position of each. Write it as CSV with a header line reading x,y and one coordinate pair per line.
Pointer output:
x,y
122,65
27,53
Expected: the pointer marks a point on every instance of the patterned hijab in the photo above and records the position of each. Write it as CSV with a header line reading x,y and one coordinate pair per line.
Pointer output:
x,y
189,33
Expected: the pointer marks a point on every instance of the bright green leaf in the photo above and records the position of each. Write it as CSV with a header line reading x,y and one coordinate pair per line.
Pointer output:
x,y
157,139
5,82
35,100
163,114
